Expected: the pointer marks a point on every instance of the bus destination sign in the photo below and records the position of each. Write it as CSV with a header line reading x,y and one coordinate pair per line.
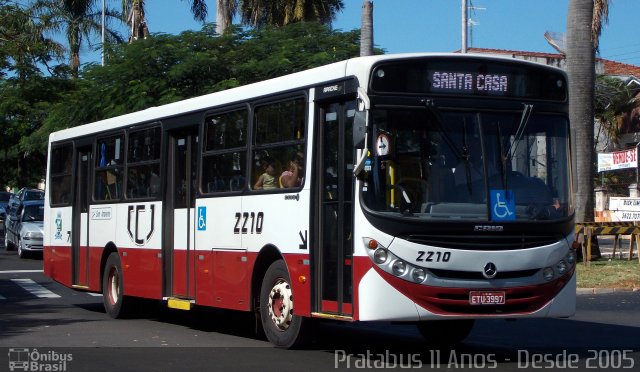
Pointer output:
x,y
469,78
468,82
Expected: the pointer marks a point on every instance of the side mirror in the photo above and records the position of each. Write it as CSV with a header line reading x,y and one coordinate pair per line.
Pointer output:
x,y
359,129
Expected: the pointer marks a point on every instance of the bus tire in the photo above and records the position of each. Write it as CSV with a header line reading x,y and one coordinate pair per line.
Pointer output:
x,y
445,332
280,325
115,303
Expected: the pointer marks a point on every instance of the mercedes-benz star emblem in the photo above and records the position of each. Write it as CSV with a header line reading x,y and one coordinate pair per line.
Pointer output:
x,y
490,270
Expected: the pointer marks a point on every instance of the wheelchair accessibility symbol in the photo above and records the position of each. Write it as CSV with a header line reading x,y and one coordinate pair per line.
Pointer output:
x,y
202,218
503,206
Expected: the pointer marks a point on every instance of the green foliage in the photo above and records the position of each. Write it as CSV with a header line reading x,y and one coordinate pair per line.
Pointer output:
x,y
158,70
167,68
26,94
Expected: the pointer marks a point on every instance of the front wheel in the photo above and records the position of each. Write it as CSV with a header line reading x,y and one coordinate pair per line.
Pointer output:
x,y
281,326
21,252
445,332
115,303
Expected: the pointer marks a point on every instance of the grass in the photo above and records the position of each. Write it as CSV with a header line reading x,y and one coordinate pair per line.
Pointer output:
x,y
606,273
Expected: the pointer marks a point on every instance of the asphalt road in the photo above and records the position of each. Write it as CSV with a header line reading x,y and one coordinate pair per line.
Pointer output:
x,y
62,329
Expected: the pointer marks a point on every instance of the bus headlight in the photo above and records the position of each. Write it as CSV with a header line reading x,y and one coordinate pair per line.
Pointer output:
x,y
562,267
388,262
571,257
399,268
547,273
418,275
380,256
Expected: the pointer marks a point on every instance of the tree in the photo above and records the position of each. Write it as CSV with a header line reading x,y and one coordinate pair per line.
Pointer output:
x,y
79,20
133,14
613,101
167,68
26,95
225,10
366,34
23,47
584,25
279,13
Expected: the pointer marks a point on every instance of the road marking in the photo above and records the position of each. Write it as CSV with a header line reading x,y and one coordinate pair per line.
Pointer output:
x,y
20,271
35,288
95,294
2,297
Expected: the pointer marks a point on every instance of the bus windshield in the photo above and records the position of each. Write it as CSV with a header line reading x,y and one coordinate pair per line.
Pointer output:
x,y
474,165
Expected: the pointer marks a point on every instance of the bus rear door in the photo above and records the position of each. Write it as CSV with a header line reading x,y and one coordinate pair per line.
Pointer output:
x,y
80,230
179,223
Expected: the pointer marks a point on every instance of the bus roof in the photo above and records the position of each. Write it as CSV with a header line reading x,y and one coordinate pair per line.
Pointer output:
x,y
358,67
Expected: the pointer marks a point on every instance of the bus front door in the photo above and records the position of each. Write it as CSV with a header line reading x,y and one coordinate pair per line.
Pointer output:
x,y
181,190
80,228
334,232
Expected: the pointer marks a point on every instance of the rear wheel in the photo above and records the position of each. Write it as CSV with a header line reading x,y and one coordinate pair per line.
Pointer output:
x,y
281,326
445,332
115,303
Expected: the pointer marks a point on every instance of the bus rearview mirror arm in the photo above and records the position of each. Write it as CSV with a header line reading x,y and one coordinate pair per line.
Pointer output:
x,y
360,127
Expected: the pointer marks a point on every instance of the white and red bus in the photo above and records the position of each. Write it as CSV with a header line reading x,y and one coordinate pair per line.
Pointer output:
x,y
433,189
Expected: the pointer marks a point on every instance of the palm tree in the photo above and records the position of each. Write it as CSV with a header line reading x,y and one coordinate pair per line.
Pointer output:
x,y
366,33
79,20
584,26
133,13
613,101
278,13
24,48
225,10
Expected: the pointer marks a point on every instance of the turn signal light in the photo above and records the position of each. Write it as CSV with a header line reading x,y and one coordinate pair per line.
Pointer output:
x,y
373,244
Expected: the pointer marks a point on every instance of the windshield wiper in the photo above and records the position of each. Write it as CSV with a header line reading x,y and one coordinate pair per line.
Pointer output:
x,y
465,156
524,120
503,158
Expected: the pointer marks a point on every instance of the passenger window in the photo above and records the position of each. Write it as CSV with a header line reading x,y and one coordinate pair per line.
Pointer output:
x,y
143,163
278,150
61,167
109,168
224,159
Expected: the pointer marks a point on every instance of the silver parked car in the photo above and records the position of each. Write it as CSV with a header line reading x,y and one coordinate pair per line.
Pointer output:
x,y
24,228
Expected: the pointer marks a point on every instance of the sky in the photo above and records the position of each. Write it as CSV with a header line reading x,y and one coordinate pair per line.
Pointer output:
x,y
402,26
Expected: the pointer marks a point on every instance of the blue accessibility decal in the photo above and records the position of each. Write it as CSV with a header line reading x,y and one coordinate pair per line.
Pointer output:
x,y
503,205
202,218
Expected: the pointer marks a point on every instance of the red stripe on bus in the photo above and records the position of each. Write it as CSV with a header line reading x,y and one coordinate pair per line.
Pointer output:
x,y
455,301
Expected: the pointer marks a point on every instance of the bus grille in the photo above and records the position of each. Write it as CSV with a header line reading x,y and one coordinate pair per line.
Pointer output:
x,y
477,275
483,242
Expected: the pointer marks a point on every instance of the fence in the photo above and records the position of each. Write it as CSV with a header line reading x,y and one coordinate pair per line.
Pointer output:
x,y
587,230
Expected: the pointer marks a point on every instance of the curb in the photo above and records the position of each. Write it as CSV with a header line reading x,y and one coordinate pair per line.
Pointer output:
x,y
593,291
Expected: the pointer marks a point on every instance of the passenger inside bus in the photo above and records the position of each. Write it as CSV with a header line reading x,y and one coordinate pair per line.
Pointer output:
x,y
267,180
294,176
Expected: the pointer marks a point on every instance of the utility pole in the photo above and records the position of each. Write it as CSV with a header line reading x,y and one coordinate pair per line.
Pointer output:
x,y
464,22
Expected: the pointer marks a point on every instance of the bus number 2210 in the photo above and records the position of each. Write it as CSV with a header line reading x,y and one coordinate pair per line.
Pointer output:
x,y
242,219
430,256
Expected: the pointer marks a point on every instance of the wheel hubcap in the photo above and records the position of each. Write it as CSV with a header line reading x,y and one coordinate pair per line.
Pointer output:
x,y
281,304
114,287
